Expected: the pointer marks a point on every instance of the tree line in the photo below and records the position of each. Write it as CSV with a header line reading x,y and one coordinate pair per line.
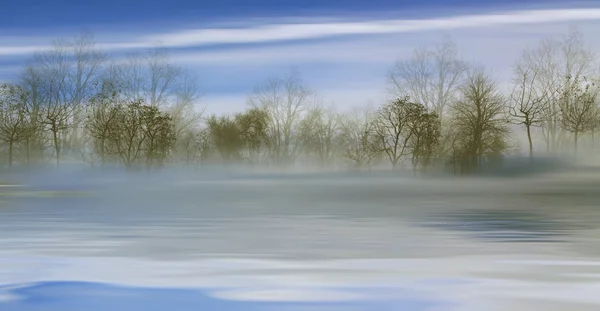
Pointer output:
x,y
74,103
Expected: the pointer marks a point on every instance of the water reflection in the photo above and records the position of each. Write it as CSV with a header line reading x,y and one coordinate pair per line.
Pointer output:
x,y
505,225
92,296
309,243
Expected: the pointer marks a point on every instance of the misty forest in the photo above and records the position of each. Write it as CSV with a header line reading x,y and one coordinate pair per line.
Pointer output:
x,y
74,103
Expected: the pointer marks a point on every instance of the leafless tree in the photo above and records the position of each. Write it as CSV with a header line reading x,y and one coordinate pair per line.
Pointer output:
x,y
185,109
129,137
406,128
579,107
159,136
60,81
553,60
226,137
253,125
32,83
186,112
130,75
319,132
430,77
162,77
187,141
150,77
101,124
153,78
362,147
425,139
57,109
528,103
393,128
196,144
478,119
202,151
13,117
285,100
84,75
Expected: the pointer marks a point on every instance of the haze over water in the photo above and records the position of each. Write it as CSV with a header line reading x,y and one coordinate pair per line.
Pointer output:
x,y
225,241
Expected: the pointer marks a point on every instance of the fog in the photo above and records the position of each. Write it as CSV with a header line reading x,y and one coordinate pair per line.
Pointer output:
x,y
264,240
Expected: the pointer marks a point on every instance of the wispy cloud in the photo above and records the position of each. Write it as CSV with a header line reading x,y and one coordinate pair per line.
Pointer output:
x,y
281,32
349,70
278,32
364,50
21,50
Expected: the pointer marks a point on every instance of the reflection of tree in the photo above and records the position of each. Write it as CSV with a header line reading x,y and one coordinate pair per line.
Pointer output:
x,y
504,225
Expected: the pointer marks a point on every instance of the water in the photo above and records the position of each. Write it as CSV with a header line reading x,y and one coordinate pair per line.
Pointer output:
x,y
301,242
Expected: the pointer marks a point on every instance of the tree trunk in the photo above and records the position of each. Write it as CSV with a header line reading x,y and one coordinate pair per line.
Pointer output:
x,y
28,153
56,146
10,155
530,142
454,162
576,133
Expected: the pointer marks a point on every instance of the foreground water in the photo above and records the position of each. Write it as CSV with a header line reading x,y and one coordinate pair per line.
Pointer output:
x,y
301,242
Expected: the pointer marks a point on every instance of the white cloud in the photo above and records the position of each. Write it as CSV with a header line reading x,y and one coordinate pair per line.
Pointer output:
x,y
351,50
348,71
20,50
278,32
352,72
319,29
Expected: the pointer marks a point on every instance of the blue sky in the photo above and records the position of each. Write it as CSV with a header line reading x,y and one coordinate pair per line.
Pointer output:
x,y
43,15
342,48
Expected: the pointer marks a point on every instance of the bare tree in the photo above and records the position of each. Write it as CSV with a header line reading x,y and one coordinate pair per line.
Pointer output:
x,y
185,112
319,132
129,137
184,109
362,147
529,104
131,76
53,69
202,150
150,77
162,77
478,119
553,60
430,77
579,107
226,137
425,139
253,125
159,135
60,81
285,100
197,145
13,117
101,125
84,75
406,128
393,128
32,83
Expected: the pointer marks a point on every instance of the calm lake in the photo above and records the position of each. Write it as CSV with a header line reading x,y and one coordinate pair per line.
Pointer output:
x,y
297,242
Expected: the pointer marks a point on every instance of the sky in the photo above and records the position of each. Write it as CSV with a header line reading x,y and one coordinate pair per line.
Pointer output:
x,y
343,49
